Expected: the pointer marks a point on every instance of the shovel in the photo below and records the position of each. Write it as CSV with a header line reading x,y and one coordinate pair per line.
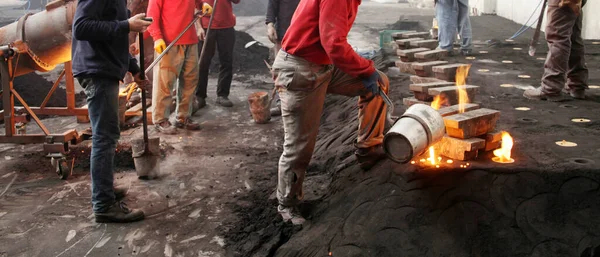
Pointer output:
x,y
145,152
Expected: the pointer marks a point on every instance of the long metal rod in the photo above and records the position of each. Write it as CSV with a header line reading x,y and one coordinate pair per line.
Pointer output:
x,y
207,32
157,59
7,99
144,112
33,115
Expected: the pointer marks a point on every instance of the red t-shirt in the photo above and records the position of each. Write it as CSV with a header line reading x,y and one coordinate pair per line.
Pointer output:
x,y
318,34
170,19
224,17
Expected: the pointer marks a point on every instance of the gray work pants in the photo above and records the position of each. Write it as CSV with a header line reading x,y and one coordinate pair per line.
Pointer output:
x,y
565,64
453,16
302,88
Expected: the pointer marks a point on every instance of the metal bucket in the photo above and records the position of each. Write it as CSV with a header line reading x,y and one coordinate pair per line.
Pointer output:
x,y
418,128
146,164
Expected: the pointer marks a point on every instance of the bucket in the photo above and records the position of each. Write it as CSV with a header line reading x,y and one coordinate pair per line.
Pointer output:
x,y
146,164
260,107
418,128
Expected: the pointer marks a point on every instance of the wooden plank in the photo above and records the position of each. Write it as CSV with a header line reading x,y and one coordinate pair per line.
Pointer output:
x,y
432,55
450,94
410,101
429,44
472,123
459,149
448,72
409,54
405,43
454,109
425,69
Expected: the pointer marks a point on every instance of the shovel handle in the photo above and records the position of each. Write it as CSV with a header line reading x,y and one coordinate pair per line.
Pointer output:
x,y
144,107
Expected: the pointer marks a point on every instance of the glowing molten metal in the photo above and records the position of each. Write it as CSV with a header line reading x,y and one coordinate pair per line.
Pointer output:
x,y
503,154
462,73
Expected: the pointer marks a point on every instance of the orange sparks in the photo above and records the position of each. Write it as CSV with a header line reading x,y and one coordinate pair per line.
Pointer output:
x,y
462,73
503,153
431,155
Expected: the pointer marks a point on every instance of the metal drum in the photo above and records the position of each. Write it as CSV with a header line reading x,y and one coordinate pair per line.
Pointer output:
x,y
418,128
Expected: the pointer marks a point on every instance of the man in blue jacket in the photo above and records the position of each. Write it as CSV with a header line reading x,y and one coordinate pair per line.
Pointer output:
x,y
100,60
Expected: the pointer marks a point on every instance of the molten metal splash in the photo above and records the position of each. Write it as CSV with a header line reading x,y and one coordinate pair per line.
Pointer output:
x,y
431,155
503,154
461,79
437,102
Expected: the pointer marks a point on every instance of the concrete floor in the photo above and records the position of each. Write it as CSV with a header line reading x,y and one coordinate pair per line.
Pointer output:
x,y
212,198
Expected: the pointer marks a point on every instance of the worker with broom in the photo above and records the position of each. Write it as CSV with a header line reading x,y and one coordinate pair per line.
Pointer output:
x,y
565,69
101,58
179,65
316,59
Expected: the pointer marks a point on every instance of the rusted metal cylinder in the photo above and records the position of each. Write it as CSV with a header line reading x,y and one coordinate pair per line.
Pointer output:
x,y
43,40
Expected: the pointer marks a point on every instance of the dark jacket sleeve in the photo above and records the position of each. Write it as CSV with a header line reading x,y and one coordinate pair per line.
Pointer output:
x,y
272,10
88,26
134,68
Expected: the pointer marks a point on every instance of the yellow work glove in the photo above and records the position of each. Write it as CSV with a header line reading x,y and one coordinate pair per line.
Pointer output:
x,y
575,5
160,46
207,9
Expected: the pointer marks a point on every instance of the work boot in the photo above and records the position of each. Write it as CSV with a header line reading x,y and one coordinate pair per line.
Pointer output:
x,y
197,104
187,123
576,94
276,111
224,101
119,213
166,127
537,94
368,157
466,52
291,214
120,193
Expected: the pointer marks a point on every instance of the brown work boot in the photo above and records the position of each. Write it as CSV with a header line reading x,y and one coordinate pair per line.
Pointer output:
x,y
187,123
166,127
197,104
368,157
224,101
291,213
119,213
537,94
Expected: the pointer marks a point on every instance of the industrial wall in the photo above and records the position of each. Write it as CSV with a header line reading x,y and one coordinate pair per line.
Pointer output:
x,y
520,11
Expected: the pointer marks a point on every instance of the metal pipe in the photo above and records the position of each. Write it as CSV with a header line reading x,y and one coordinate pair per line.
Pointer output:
x,y
157,59
212,16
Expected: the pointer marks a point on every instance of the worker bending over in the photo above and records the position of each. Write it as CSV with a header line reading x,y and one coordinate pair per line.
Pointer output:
x,y
316,59
179,65
565,64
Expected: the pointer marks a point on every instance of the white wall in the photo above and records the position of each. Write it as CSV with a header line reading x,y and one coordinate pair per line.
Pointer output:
x,y
520,11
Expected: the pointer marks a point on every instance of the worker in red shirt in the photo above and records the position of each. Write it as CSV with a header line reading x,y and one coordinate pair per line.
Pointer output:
x,y
315,60
179,65
222,37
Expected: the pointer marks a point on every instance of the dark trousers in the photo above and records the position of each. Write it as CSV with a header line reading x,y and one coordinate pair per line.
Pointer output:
x,y
103,107
565,64
222,40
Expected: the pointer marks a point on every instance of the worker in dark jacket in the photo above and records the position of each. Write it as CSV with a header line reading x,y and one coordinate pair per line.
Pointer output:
x,y
100,60
565,68
279,17
316,59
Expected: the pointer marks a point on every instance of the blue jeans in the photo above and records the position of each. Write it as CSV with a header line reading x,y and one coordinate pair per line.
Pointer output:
x,y
453,16
103,107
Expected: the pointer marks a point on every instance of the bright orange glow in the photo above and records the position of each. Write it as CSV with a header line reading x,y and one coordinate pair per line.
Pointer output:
x,y
437,102
503,154
461,79
431,155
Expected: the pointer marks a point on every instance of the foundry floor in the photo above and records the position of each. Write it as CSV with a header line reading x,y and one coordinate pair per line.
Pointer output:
x,y
214,197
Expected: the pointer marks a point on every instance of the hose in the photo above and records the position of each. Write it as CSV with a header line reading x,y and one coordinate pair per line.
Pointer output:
x,y
525,27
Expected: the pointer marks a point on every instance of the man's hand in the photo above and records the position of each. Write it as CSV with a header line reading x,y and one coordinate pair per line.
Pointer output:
x,y
201,33
272,33
133,49
372,83
575,5
207,9
160,46
141,83
137,24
